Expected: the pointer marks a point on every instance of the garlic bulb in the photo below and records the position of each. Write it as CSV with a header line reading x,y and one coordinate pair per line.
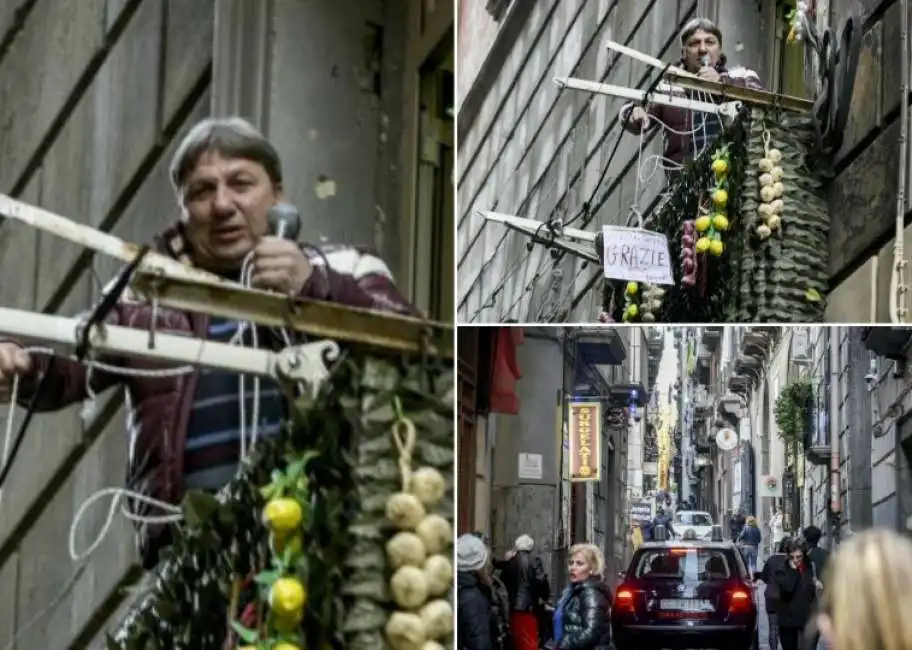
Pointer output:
x,y
409,587
406,631
767,193
765,164
774,222
778,189
778,206
777,174
405,549
764,231
436,533
766,179
428,485
765,209
437,617
439,573
404,510
775,156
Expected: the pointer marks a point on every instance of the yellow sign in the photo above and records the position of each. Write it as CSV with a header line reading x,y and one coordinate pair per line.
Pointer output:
x,y
585,441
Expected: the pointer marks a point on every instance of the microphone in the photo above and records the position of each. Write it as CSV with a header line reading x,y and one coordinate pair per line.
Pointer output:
x,y
284,221
704,60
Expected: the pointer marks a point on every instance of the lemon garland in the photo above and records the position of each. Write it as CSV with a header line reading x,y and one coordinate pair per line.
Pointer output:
x,y
422,575
711,226
282,588
772,190
644,303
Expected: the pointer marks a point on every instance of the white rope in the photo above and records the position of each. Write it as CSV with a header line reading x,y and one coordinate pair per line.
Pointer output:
x,y
173,512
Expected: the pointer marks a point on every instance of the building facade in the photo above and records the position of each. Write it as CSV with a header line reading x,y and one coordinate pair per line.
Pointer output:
x,y
516,393
530,149
848,468
94,97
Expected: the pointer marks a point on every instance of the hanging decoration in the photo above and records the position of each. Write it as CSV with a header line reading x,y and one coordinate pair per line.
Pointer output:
x,y
321,539
796,19
757,249
770,177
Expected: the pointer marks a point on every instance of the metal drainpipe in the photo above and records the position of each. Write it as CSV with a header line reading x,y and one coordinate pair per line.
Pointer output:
x,y
835,428
897,300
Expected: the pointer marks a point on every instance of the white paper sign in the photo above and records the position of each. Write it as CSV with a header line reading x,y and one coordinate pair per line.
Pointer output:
x,y
636,255
530,466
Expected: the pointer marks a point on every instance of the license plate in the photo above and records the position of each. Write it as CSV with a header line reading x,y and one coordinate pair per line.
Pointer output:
x,y
686,605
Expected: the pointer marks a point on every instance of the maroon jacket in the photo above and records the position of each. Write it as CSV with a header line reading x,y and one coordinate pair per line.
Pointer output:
x,y
161,406
678,147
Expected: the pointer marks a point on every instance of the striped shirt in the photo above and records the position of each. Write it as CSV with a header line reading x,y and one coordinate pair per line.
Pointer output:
x,y
212,452
706,126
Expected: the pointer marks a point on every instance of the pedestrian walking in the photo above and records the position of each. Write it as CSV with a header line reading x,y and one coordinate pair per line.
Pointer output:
x,y
818,557
477,624
865,604
749,540
797,588
775,562
527,585
582,617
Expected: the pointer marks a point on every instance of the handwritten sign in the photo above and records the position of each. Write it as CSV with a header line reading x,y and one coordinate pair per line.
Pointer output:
x,y
637,255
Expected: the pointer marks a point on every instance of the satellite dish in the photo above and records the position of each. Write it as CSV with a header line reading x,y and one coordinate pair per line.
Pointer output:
x,y
726,439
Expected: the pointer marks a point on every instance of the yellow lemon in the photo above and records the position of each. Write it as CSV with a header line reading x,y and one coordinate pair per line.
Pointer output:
x,y
287,597
716,247
283,515
720,222
632,288
720,166
294,543
633,310
284,645
720,198
702,244
702,223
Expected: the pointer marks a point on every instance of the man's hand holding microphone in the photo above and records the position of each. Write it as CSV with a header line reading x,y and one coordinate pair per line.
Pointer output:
x,y
13,361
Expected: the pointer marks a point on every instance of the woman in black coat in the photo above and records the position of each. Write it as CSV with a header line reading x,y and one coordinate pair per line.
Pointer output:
x,y
797,586
478,624
582,618
775,562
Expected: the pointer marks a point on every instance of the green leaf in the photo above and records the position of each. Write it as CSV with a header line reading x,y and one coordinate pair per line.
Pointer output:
x,y
267,578
811,295
198,507
248,636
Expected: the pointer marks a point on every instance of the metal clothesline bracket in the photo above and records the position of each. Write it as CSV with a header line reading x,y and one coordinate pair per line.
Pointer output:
x,y
576,242
308,362
667,98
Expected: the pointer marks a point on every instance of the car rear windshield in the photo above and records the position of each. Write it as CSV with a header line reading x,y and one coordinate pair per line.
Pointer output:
x,y
680,563
693,519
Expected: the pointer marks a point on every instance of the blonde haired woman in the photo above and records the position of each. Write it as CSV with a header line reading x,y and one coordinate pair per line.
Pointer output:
x,y
865,603
582,618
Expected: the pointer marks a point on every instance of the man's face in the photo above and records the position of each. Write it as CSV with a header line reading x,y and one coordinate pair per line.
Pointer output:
x,y
225,206
701,44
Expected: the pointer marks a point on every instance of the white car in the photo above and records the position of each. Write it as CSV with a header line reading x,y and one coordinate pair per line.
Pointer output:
x,y
700,523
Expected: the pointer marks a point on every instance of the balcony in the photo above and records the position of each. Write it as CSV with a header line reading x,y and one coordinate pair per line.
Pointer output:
x,y
740,275
756,342
600,346
818,455
889,342
712,337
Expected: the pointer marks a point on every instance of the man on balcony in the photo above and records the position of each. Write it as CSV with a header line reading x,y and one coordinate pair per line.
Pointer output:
x,y
187,431
686,132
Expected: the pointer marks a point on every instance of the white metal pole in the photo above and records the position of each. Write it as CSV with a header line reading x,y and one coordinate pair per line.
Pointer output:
x,y
636,95
115,340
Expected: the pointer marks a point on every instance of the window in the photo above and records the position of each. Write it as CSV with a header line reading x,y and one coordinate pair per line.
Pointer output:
x,y
684,563
693,519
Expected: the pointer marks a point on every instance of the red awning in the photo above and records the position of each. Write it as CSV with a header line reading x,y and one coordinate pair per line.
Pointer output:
x,y
506,371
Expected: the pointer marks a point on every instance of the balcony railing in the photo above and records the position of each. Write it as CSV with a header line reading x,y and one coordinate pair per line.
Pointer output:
x,y
766,259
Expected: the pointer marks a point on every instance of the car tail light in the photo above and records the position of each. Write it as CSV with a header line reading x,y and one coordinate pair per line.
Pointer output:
x,y
740,600
623,599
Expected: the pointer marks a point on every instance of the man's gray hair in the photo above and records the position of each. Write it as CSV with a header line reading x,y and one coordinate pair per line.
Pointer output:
x,y
232,137
700,25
